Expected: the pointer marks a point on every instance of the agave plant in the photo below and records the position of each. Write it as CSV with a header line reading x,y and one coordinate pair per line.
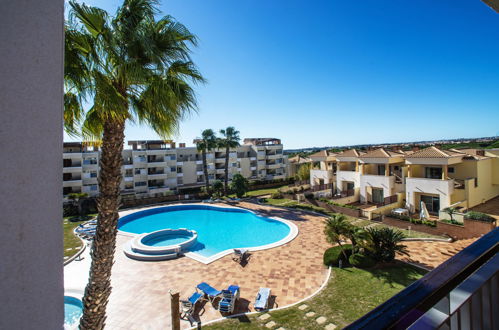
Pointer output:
x,y
384,243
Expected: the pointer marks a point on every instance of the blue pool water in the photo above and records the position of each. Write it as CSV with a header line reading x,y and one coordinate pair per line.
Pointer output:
x,y
218,229
167,240
73,309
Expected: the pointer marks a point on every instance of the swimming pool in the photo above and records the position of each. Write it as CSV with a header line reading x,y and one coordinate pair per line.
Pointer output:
x,y
73,309
219,229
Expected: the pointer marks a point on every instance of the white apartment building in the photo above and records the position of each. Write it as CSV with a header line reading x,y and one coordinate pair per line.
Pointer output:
x,y
157,167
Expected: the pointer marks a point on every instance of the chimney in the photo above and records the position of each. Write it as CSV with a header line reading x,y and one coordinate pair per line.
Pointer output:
x,y
181,145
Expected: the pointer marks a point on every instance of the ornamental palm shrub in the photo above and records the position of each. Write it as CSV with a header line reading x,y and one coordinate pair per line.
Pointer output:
x,y
337,230
384,243
218,188
450,211
127,67
239,185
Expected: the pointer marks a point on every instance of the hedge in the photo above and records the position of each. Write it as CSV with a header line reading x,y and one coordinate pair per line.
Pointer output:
x,y
474,215
361,261
333,255
414,221
325,200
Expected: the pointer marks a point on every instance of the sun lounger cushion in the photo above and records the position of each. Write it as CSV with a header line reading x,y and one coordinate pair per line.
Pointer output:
x,y
262,298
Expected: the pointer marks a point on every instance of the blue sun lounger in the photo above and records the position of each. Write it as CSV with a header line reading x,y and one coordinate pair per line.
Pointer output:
x,y
209,291
189,305
262,299
229,297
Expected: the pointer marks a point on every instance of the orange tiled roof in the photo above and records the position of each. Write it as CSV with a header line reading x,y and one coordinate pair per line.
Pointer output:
x,y
350,153
381,153
434,152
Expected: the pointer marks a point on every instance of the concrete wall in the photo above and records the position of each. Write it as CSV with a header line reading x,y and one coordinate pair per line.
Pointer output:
x,y
31,89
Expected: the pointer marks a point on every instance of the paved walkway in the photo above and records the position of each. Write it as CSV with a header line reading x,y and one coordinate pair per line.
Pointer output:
x,y
431,254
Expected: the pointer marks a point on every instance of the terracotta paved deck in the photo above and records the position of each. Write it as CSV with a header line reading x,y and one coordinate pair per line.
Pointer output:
x,y
491,207
293,271
431,254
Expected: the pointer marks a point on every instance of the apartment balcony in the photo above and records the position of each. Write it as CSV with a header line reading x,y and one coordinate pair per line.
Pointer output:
x,y
273,166
199,162
91,189
324,176
253,168
274,156
141,160
71,169
128,166
261,155
220,160
220,170
142,172
72,183
128,179
156,152
180,163
461,293
160,164
350,176
252,159
92,154
199,172
72,155
430,186
232,154
377,181
179,175
157,176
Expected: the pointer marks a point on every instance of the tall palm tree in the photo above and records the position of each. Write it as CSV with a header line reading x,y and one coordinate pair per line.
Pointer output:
x,y
229,140
206,143
129,67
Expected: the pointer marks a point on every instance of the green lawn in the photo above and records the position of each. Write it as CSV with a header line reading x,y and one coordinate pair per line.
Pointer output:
x,y
72,244
261,192
350,293
355,221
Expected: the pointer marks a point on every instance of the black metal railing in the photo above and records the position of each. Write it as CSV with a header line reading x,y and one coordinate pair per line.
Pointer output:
x,y
425,304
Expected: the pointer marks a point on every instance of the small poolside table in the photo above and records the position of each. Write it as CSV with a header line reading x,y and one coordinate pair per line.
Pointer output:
x,y
400,211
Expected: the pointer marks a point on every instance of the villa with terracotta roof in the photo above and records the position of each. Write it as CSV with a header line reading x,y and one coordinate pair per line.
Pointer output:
x,y
439,178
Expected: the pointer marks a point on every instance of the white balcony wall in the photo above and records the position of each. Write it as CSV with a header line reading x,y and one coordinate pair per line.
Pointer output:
x,y
387,183
442,188
350,176
317,175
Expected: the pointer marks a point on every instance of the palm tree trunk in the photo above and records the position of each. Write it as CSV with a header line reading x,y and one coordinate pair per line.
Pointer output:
x,y
205,169
99,285
226,183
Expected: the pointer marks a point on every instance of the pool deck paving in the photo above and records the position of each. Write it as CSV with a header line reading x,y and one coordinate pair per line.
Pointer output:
x,y
140,296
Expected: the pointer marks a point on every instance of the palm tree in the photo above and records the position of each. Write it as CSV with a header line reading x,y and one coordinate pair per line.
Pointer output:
x,y
77,199
450,211
129,67
229,141
337,229
384,243
207,142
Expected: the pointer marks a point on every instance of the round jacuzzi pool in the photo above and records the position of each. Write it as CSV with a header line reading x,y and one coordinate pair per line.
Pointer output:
x,y
168,237
73,309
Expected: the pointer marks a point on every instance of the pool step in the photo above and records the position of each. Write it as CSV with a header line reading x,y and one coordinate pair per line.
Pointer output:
x,y
129,252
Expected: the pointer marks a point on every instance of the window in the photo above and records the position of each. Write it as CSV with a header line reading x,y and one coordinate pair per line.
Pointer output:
x,y
433,172
173,169
450,170
476,182
140,184
381,169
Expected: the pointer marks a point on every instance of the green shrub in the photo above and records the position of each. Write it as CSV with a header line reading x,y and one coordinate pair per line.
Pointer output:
x,y
333,255
452,222
361,261
474,215
309,195
330,202
276,195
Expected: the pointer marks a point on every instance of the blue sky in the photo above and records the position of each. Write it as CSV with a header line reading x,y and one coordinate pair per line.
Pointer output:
x,y
330,72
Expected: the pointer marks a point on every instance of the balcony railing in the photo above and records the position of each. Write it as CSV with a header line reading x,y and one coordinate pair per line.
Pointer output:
x,y
461,293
